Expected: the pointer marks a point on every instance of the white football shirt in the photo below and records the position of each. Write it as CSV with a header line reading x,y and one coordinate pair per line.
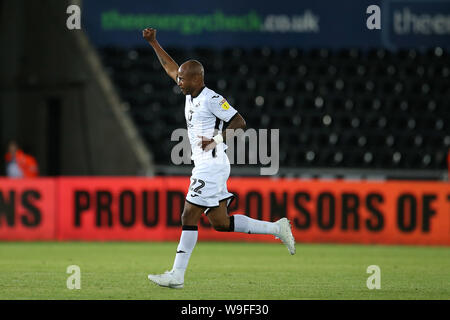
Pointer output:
x,y
205,113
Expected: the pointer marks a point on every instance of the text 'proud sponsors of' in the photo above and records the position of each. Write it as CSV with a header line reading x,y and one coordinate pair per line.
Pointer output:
x,y
150,209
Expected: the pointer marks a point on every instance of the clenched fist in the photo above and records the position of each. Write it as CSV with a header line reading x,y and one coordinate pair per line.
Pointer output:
x,y
149,34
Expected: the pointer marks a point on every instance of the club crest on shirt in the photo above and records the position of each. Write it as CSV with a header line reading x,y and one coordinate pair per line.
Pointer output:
x,y
224,104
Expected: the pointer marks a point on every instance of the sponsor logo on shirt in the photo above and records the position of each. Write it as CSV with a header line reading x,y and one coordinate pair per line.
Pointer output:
x,y
224,104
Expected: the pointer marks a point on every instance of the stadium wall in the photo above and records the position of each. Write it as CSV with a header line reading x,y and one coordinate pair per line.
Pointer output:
x,y
149,209
56,99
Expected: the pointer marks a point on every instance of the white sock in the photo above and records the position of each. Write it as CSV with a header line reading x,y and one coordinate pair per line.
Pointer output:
x,y
245,224
185,247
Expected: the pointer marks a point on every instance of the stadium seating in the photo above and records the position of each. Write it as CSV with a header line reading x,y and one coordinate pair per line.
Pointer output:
x,y
337,109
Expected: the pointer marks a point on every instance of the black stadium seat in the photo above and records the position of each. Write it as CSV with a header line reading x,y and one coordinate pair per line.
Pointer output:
x,y
344,109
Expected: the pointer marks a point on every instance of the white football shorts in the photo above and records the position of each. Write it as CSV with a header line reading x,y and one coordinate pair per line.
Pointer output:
x,y
209,183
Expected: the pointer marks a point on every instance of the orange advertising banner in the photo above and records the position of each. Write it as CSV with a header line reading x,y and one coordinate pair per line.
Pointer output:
x,y
116,208
352,212
27,209
113,208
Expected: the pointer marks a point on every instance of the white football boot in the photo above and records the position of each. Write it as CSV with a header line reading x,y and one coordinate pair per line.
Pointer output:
x,y
171,279
285,234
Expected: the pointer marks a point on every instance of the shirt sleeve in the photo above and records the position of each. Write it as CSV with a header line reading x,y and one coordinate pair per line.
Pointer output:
x,y
220,107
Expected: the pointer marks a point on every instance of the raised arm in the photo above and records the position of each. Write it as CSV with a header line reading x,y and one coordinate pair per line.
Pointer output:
x,y
166,61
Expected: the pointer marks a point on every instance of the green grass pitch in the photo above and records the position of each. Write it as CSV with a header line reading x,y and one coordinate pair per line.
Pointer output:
x,y
228,271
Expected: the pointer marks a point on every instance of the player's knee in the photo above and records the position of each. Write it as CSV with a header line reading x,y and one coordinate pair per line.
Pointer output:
x,y
187,218
221,226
